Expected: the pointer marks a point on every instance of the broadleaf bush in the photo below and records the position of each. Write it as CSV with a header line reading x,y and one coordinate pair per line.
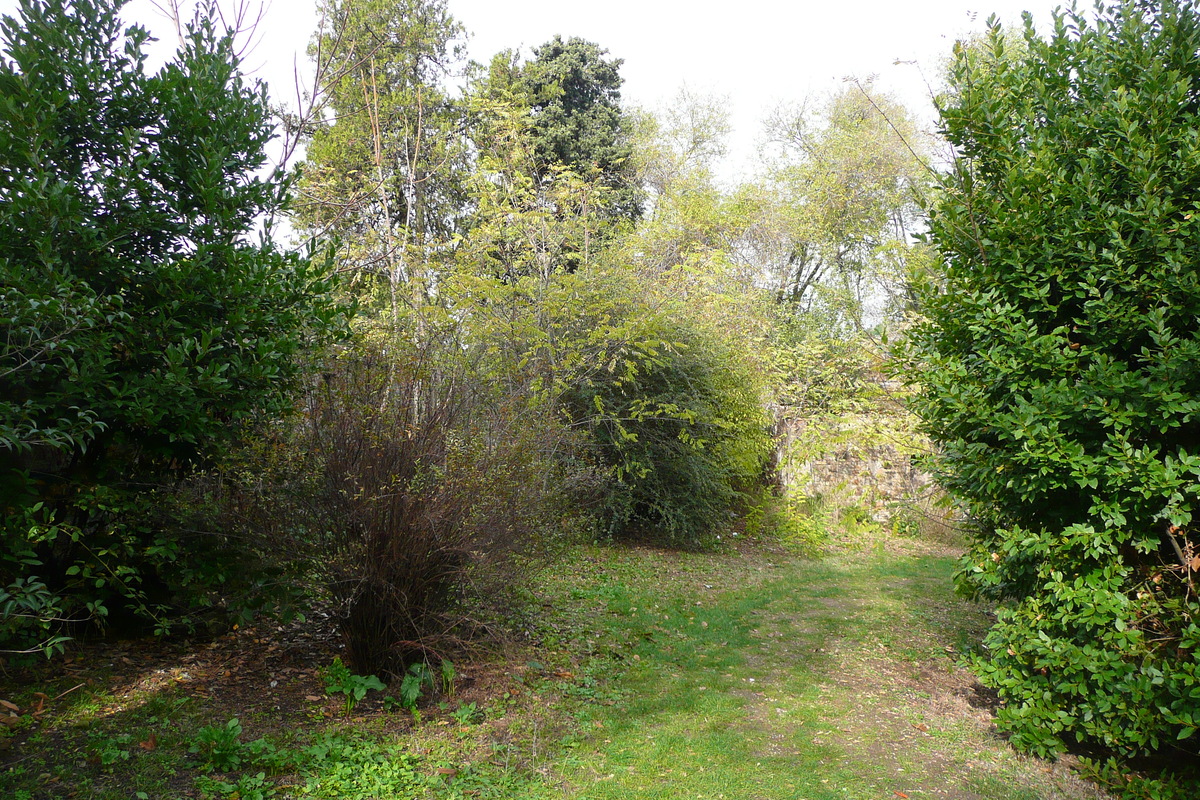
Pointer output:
x,y
144,318
675,414
1059,362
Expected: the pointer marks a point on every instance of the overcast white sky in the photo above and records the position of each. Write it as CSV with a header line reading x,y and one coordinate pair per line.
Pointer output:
x,y
757,53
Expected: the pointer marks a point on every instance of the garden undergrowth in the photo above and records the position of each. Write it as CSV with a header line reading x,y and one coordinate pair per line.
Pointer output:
x,y
745,673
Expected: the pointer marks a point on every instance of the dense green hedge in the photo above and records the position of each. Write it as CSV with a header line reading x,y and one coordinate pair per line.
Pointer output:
x,y
143,316
1060,362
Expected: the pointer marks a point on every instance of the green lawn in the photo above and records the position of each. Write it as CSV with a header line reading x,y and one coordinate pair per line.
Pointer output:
x,y
772,676
747,674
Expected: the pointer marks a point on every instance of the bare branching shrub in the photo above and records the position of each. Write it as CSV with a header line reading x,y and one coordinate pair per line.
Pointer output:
x,y
422,500
432,495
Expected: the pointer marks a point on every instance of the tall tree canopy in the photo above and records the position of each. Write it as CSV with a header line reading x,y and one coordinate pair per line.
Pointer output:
x,y
840,199
575,96
386,161
1060,366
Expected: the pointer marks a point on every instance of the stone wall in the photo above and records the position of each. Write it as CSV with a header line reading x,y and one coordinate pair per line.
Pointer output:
x,y
863,460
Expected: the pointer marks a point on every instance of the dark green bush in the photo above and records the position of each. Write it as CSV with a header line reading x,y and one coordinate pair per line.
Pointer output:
x,y
143,316
1060,364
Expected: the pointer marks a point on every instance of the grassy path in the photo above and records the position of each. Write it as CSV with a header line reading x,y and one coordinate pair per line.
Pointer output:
x,y
745,678
742,675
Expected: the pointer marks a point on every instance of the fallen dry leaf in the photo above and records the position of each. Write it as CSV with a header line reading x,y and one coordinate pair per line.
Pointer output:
x,y
150,743
312,698
901,794
10,706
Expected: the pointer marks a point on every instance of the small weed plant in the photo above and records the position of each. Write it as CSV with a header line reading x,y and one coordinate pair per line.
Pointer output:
x,y
109,750
339,679
466,714
247,787
412,688
220,746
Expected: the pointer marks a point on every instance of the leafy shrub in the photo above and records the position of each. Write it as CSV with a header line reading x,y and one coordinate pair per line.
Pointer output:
x,y
1115,776
680,421
1061,370
798,523
140,324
